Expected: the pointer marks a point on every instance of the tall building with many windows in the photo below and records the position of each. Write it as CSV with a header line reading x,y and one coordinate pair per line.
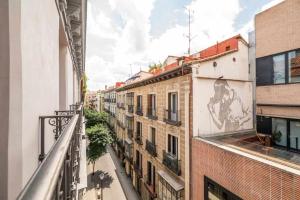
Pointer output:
x,y
153,131
42,64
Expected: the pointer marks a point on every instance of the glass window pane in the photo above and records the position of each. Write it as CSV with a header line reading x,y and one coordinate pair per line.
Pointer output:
x,y
279,68
294,66
295,135
279,131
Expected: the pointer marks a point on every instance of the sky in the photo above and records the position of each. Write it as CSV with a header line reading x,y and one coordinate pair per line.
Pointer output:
x,y
125,36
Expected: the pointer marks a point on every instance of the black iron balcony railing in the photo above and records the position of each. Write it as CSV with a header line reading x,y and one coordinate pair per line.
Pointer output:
x,y
139,110
139,139
172,117
171,162
151,148
151,113
58,172
150,186
138,169
130,108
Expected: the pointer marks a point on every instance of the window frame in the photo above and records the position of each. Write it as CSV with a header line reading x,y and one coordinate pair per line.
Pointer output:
x,y
288,132
286,69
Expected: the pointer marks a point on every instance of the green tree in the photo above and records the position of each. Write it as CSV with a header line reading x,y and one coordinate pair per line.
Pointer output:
x,y
154,67
99,137
93,118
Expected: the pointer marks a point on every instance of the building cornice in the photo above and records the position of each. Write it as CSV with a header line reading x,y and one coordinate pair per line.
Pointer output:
x,y
176,72
73,17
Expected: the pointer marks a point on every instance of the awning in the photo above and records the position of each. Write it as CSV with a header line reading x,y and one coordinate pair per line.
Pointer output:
x,y
176,184
128,141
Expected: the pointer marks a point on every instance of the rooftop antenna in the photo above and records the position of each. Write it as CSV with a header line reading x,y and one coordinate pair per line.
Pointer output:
x,y
189,36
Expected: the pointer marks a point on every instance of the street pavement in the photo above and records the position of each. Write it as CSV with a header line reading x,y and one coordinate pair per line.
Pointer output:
x,y
115,185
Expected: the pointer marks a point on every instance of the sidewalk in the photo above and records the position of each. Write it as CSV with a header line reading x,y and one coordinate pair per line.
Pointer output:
x,y
125,181
116,185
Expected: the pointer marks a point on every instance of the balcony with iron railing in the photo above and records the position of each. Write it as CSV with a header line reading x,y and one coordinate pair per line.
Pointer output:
x,y
138,139
138,169
151,148
172,117
172,163
128,156
150,186
58,173
151,113
121,145
139,110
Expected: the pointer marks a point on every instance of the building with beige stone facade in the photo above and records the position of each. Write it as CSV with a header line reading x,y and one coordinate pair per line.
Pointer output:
x,y
153,132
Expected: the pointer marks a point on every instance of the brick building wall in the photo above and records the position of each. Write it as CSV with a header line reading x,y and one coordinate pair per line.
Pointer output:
x,y
277,29
245,177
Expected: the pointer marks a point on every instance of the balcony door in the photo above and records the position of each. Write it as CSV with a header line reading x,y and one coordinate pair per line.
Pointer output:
x,y
173,106
173,145
152,104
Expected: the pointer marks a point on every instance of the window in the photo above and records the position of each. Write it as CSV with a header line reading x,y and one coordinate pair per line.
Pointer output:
x,y
294,135
152,135
279,68
173,145
139,101
285,132
139,129
139,159
294,66
279,131
172,106
151,104
214,191
150,174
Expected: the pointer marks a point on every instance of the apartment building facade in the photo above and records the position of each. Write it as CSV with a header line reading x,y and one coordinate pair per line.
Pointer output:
x,y
42,63
155,138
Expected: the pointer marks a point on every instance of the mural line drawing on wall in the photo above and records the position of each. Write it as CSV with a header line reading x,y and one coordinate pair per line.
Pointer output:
x,y
226,108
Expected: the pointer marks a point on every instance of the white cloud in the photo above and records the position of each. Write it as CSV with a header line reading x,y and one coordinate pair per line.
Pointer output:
x,y
119,40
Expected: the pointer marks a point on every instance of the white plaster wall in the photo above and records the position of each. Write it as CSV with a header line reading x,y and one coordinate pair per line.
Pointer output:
x,y
238,116
226,67
40,75
229,110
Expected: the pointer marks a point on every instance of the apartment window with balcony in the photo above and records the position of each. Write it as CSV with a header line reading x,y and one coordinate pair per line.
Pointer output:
x,y
130,101
139,106
138,167
285,132
173,145
150,180
138,137
172,114
214,191
281,68
150,142
151,111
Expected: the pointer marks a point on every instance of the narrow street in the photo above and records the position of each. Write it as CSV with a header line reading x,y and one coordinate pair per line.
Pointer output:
x,y
115,186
